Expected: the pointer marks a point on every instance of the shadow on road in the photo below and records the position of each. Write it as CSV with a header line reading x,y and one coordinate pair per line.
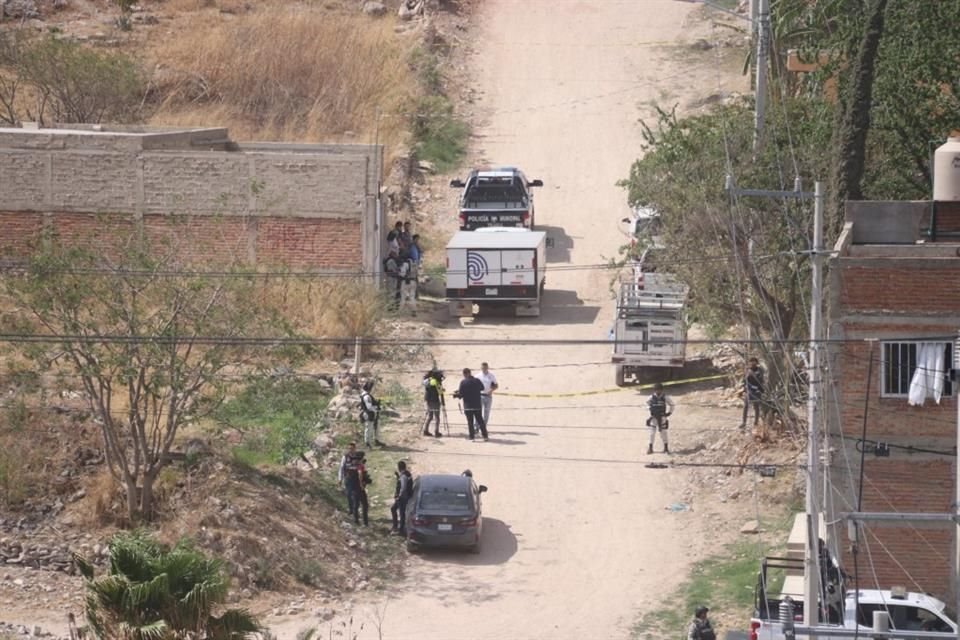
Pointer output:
x,y
559,243
690,450
558,306
497,546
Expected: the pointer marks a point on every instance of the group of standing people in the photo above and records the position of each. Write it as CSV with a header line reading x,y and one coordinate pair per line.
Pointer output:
x,y
404,257
661,406
474,392
354,478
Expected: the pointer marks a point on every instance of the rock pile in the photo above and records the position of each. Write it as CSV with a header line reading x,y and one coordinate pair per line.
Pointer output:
x,y
345,404
37,556
10,631
23,9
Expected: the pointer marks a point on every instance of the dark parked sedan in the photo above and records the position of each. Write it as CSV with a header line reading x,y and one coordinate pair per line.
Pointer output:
x,y
445,511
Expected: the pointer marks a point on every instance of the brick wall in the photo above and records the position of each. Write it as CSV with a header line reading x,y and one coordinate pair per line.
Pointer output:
x,y
916,556
896,293
903,286
19,231
294,243
889,418
924,555
319,243
304,206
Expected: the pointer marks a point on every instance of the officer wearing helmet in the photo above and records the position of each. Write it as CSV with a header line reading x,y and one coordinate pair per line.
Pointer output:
x,y
369,415
700,628
660,409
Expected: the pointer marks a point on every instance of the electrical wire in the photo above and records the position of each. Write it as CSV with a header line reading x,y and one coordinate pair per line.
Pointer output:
x,y
271,341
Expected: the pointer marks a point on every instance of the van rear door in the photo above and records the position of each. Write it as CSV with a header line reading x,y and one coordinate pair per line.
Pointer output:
x,y
484,268
519,267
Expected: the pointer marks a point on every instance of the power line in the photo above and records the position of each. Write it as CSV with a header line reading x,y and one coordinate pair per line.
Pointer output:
x,y
270,341
328,273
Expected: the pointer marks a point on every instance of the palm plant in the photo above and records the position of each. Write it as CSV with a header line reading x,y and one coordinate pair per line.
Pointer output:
x,y
152,592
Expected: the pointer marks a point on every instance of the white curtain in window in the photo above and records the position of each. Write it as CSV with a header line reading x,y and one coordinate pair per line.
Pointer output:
x,y
927,381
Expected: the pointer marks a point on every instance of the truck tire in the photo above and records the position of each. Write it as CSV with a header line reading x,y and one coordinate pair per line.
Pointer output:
x,y
620,375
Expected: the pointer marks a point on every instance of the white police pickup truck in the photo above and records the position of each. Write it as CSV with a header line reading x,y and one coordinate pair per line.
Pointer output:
x,y
496,197
907,611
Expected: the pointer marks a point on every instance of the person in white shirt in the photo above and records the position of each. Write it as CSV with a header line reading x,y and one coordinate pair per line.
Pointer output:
x,y
489,386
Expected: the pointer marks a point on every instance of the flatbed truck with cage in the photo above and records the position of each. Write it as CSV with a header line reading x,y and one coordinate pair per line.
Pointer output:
x,y
650,328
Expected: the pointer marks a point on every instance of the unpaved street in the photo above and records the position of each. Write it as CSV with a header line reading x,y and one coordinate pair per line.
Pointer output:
x,y
577,539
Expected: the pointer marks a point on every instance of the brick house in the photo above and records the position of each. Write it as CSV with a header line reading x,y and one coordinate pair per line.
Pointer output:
x,y
303,206
895,297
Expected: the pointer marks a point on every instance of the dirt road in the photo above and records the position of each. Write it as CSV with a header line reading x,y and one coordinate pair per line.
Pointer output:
x,y
577,538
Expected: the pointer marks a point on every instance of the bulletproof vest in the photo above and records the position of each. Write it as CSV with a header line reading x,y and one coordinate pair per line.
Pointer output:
x,y
431,391
658,406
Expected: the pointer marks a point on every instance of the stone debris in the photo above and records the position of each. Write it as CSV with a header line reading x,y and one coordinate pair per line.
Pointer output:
x,y
10,631
751,528
373,8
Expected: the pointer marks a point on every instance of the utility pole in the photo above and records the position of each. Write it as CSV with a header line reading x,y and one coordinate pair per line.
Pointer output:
x,y
811,565
955,378
763,45
811,578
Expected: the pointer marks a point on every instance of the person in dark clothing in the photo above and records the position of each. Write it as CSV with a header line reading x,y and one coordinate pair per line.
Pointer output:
x,y
351,478
362,503
406,236
471,391
401,495
700,628
752,392
433,397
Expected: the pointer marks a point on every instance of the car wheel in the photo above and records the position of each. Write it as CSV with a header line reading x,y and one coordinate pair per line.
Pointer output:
x,y
412,547
620,375
475,548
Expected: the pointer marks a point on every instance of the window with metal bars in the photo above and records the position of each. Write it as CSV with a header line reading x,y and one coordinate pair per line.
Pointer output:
x,y
898,364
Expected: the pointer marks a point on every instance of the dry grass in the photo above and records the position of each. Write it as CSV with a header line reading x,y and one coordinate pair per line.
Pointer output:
x,y
328,307
286,73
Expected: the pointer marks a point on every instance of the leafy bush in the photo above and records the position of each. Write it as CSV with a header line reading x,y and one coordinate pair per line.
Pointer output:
x,y
152,592
70,83
440,136
279,418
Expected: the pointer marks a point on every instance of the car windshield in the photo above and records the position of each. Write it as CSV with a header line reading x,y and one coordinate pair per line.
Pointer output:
x,y
502,190
446,501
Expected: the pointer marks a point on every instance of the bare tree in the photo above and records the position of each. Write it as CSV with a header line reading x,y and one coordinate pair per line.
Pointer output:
x,y
148,338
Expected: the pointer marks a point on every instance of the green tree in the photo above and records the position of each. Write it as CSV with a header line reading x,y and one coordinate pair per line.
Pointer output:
x,y
147,335
850,164
151,592
737,256
895,61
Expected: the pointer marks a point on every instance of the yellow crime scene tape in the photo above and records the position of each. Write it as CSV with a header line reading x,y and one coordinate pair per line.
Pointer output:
x,y
574,394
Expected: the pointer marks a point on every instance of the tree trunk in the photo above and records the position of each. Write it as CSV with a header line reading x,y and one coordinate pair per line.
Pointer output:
x,y
132,504
146,496
855,118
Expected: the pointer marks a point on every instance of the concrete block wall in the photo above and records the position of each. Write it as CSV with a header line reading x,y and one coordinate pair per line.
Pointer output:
x,y
306,206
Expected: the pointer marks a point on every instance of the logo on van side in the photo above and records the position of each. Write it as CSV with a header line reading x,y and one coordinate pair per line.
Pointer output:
x,y
477,266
